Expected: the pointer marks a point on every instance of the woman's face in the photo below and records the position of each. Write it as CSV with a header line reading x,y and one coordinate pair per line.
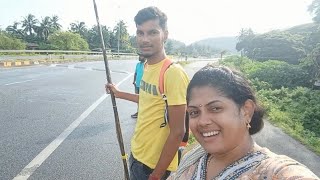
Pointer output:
x,y
216,121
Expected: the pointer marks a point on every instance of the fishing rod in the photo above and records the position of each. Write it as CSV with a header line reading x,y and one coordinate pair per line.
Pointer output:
x,y
113,99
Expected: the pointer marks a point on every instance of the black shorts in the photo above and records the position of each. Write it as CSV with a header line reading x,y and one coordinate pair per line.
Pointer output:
x,y
140,171
136,90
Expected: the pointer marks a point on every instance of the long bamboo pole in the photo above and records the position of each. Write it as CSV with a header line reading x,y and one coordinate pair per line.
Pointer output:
x,y
115,110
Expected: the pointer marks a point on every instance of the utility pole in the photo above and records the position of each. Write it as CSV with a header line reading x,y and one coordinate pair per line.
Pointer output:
x,y
119,31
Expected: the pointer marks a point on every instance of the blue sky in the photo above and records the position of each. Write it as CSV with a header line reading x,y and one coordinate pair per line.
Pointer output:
x,y
188,20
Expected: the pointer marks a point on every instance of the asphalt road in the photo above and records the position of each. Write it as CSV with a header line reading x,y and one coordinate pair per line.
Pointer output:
x,y
57,123
39,103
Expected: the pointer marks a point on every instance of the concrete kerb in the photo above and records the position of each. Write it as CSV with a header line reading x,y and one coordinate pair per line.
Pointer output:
x,y
28,62
17,63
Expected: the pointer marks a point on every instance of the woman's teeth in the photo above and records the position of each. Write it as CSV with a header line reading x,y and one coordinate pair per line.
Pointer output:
x,y
208,134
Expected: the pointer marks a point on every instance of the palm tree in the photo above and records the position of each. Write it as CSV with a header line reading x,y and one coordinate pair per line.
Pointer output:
x,y
45,28
80,28
29,24
55,24
14,30
121,37
94,37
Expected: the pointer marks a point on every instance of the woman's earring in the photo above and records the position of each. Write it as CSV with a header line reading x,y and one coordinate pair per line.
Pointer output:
x,y
248,125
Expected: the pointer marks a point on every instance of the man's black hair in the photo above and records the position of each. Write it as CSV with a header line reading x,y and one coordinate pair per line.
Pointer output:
x,y
151,13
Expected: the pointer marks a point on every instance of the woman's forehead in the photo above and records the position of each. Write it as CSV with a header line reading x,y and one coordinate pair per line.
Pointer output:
x,y
205,94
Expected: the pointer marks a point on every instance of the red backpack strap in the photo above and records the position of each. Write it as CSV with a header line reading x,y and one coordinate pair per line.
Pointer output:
x,y
165,66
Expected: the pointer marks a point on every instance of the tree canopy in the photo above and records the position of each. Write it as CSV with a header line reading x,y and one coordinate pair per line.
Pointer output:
x,y
10,43
68,41
45,33
314,9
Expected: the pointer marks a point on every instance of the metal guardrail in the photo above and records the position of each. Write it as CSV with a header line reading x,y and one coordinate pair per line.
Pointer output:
x,y
63,52
54,55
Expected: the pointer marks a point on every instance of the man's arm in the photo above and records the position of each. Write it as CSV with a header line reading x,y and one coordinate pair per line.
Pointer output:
x,y
170,148
134,79
128,96
120,94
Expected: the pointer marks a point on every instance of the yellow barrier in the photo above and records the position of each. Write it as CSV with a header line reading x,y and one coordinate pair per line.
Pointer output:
x,y
7,64
17,63
26,62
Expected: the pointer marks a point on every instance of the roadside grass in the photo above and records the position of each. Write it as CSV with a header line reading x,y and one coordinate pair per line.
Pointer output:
x,y
285,95
296,112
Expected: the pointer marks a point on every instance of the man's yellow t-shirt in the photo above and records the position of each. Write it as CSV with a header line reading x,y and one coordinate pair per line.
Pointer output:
x,y
149,139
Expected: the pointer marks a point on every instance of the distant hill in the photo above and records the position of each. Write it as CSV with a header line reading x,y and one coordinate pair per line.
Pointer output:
x,y
176,44
303,29
221,43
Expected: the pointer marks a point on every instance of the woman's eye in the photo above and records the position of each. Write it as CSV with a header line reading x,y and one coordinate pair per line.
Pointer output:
x,y
215,109
193,114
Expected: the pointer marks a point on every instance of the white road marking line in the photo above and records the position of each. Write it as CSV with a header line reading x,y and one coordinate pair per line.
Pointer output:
x,y
46,152
20,82
71,67
124,72
88,68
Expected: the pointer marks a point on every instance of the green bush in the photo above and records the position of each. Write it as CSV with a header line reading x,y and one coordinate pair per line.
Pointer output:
x,y
278,84
45,46
275,74
10,43
280,74
68,41
297,111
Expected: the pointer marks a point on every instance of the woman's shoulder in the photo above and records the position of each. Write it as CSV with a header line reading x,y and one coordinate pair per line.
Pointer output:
x,y
283,167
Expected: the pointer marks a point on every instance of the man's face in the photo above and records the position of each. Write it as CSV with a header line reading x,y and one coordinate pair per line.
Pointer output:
x,y
151,38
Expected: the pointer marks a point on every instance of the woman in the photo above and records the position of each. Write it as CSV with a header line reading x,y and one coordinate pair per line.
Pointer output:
x,y
223,115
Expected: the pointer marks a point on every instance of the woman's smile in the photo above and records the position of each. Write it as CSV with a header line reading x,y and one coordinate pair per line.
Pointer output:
x,y
210,136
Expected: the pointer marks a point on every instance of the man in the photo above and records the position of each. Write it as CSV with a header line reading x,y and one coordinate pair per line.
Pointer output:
x,y
154,148
137,77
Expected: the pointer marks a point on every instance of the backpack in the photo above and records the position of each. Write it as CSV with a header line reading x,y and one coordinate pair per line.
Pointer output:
x,y
167,63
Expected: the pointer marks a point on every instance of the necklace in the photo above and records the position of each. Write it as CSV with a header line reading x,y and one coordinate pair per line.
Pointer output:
x,y
209,160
